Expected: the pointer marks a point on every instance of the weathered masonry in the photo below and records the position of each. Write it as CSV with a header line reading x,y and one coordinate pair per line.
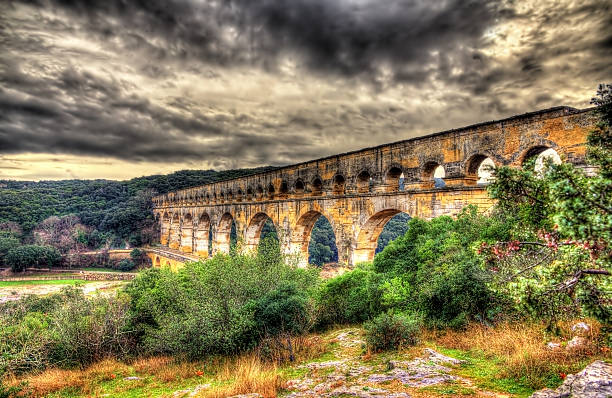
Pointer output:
x,y
360,191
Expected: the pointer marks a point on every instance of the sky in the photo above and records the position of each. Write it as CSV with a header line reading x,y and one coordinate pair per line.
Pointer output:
x,y
123,88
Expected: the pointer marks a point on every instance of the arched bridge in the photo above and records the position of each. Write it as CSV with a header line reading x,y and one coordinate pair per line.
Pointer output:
x,y
360,191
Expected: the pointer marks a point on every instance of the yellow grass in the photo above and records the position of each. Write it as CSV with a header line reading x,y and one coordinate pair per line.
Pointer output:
x,y
522,348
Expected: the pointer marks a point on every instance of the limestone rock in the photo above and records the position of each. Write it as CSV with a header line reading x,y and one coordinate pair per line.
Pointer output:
x,y
553,346
594,381
576,342
580,328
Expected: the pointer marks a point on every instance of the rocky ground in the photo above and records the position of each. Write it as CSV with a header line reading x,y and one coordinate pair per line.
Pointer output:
x,y
9,293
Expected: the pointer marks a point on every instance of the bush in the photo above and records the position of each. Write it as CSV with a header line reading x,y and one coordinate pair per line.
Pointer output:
x,y
349,298
209,307
6,244
284,310
21,257
125,265
390,331
433,269
65,329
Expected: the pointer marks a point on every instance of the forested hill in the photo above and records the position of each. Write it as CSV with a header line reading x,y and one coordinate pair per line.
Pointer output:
x,y
115,210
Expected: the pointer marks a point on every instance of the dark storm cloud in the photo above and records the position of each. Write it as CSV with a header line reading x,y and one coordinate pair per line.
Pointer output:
x,y
58,98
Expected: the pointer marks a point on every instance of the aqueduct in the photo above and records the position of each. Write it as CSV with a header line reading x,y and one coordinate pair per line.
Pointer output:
x,y
358,192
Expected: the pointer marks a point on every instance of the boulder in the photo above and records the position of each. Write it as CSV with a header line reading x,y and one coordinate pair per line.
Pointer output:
x,y
594,381
576,342
580,328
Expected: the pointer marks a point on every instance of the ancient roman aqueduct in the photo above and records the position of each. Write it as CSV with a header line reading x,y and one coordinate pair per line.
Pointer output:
x,y
360,191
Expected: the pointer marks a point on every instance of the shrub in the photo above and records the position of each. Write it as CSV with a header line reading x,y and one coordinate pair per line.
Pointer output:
x,y
433,269
349,298
6,244
21,257
64,329
125,265
390,331
209,307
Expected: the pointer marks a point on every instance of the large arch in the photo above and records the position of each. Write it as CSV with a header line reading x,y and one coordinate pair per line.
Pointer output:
x,y
223,234
252,233
301,232
367,239
479,169
202,236
187,234
175,232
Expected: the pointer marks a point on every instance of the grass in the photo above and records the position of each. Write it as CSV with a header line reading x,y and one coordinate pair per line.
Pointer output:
x,y
43,282
511,359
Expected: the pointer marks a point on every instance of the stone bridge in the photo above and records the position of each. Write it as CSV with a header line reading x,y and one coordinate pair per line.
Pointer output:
x,y
358,192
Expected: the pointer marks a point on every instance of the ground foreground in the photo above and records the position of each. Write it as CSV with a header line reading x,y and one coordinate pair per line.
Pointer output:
x,y
479,362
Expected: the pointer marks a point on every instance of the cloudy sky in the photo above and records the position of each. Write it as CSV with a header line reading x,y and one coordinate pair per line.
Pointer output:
x,y
123,88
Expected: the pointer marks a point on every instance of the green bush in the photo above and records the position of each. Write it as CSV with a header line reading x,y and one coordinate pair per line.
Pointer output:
x,y
21,257
7,243
125,265
64,329
209,307
284,310
433,269
390,331
349,298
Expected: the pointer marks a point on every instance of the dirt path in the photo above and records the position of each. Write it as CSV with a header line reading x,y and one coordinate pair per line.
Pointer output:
x,y
10,293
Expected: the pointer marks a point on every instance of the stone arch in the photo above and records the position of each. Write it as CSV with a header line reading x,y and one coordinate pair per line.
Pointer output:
x,y
175,232
392,178
478,169
157,261
364,181
284,188
229,195
299,186
168,264
316,186
239,195
541,154
300,234
187,233
259,192
433,175
222,234
367,239
202,236
250,194
252,233
338,184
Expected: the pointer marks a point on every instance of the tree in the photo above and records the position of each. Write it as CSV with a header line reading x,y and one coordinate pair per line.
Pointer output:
x,y
560,258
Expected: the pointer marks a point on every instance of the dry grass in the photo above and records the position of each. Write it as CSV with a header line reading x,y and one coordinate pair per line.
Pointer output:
x,y
52,380
247,374
522,348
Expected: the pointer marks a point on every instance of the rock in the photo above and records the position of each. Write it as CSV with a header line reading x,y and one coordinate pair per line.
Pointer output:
x,y
132,378
439,358
580,328
594,381
341,364
251,395
576,342
553,346
190,392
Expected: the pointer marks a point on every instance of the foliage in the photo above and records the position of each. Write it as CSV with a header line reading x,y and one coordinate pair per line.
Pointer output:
x,y
349,298
390,331
21,257
209,307
559,258
322,248
63,330
117,211
432,269
126,265
6,244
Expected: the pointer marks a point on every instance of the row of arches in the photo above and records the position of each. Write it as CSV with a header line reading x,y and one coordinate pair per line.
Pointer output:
x,y
432,174
313,236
